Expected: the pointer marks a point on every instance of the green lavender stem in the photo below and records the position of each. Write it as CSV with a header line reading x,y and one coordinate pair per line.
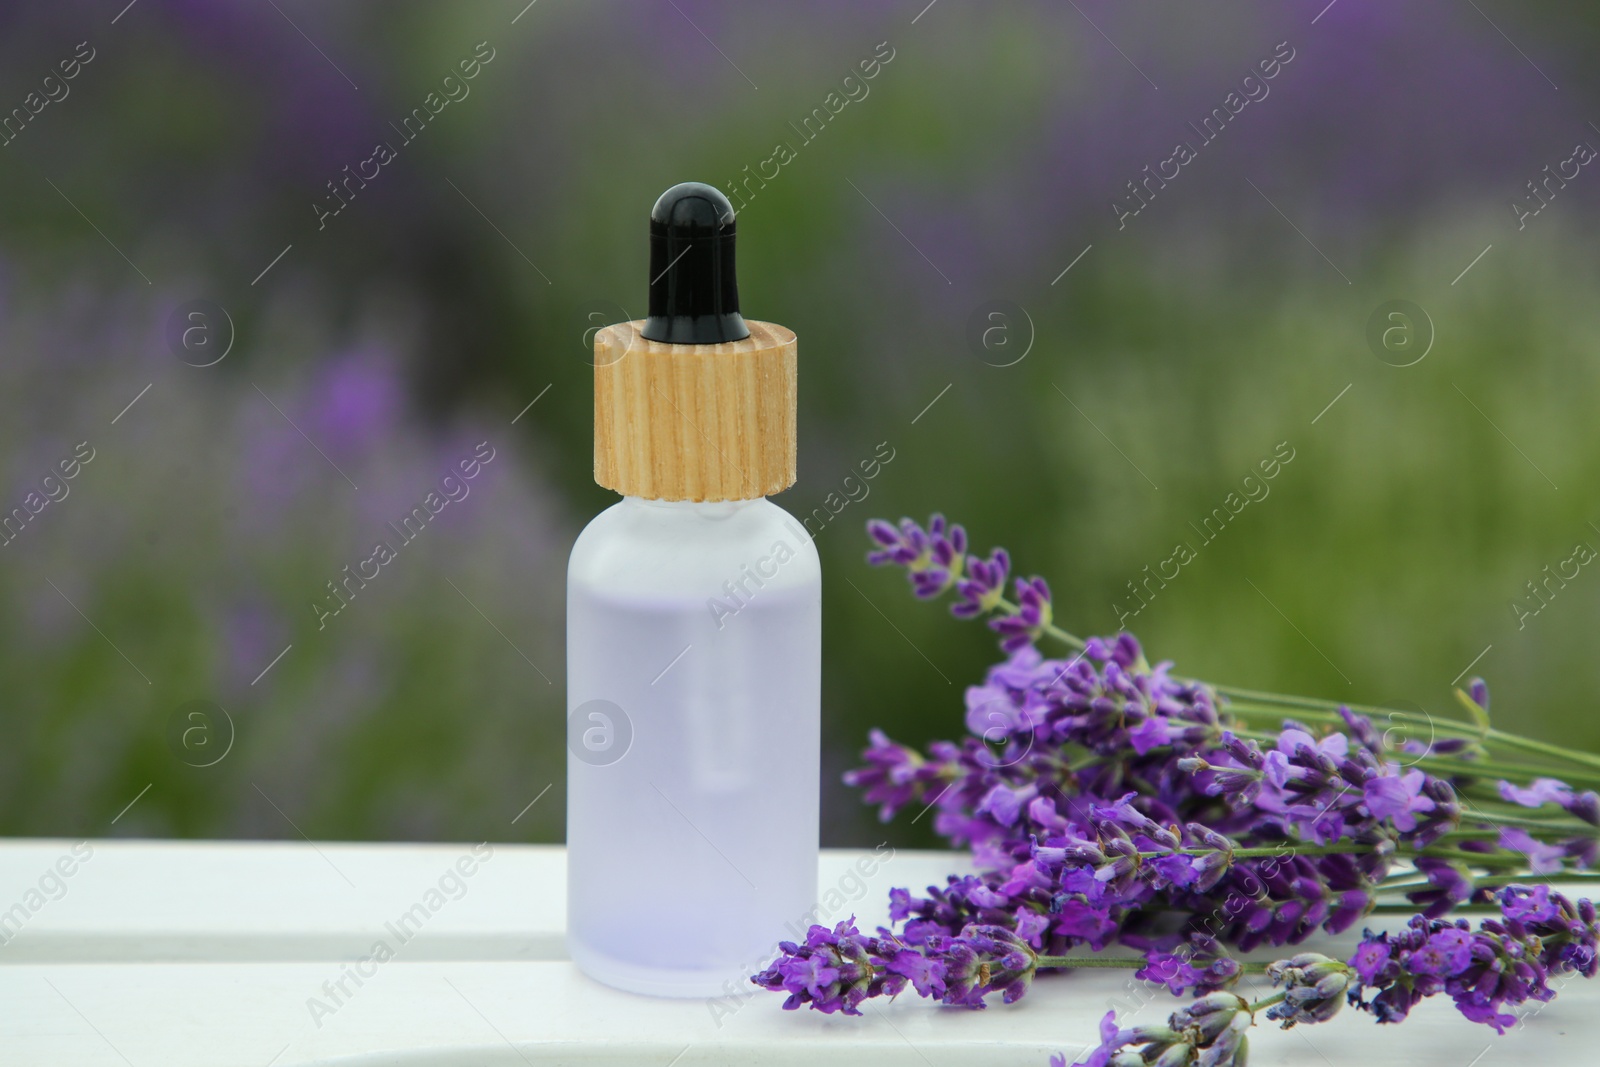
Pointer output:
x,y
1123,962
1266,1002
1245,702
1270,850
1484,859
1491,881
1564,827
1405,881
1485,803
1330,710
1481,859
1514,772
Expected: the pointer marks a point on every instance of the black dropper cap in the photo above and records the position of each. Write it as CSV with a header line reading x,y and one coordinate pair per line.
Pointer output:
x,y
694,291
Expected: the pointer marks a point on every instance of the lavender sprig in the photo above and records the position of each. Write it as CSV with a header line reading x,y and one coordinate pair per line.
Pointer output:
x,y
1504,963
835,970
1107,801
1311,823
1107,699
940,550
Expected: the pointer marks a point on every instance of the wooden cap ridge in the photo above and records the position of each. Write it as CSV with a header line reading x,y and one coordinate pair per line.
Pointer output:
x,y
695,422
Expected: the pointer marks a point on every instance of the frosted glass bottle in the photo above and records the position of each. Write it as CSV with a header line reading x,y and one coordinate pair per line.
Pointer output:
x,y
693,699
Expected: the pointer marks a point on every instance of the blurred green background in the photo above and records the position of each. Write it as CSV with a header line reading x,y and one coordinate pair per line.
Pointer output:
x,y
1117,404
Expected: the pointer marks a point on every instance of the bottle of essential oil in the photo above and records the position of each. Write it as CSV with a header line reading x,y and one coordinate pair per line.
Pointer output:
x,y
694,626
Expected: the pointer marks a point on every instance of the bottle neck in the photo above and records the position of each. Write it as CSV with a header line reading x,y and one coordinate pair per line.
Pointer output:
x,y
699,507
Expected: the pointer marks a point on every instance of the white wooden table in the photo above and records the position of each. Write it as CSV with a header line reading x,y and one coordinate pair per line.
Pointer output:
x,y
179,954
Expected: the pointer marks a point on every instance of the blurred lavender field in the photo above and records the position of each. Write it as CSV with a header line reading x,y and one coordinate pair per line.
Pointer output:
x,y
1178,327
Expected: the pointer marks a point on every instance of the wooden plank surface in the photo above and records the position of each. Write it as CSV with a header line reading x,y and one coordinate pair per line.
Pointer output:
x,y
180,954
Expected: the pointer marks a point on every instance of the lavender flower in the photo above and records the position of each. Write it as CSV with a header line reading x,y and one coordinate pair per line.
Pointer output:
x,y
1541,791
1210,1031
835,970
1537,792
1398,797
933,558
984,587
1032,618
1542,858
1449,885
936,561
893,776
1199,965
1504,962
1314,988
984,960
1101,796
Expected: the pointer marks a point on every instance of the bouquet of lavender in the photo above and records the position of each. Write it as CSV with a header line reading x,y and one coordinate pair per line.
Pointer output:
x,y
1108,802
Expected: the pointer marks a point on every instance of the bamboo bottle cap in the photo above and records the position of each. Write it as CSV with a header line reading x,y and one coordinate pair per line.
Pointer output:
x,y
694,403
694,422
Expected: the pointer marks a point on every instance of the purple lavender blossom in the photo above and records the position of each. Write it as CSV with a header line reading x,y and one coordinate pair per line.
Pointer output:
x,y
1503,963
1098,792
1328,789
835,970
1536,793
1542,858
1199,965
1529,904
933,558
893,776
1101,860
1032,618
1398,797
1449,885
1314,988
1210,1031
359,400
1542,791
984,587
936,561
1101,1055
1370,959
